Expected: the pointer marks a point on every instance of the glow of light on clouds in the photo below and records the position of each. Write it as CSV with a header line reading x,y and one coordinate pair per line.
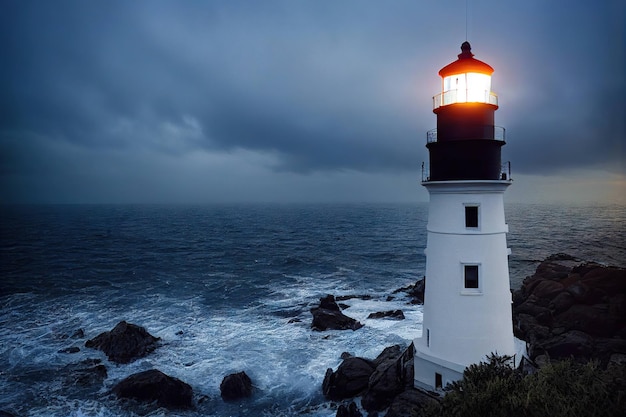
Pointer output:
x,y
585,186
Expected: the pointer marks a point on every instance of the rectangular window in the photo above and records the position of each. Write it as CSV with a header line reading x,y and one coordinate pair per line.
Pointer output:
x,y
471,276
427,337
438,380
471,216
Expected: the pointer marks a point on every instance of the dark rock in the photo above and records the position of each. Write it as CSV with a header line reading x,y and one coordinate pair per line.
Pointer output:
x,y
562,257
328,316
391,314
562,302
547,289
125,343
409,403
593,319
570,344
389,379
415,291
572,309
78,334
154,385
6,414
351,297
86,373
390,353
349,380
350,410
346,355
72,349
236,386
606,348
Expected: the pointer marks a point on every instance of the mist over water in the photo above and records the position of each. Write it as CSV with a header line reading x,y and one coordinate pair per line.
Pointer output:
x,y
220,285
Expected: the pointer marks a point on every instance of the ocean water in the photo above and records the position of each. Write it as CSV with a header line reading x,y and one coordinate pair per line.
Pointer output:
x,y
220,286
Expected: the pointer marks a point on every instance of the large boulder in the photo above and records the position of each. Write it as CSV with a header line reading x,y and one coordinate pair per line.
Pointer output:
x,y
569,308
391,377
328,316
125,343
409,403
379,381
155,386
349,380
236,386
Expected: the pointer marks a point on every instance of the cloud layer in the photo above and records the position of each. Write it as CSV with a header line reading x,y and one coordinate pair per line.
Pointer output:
x,y
105,92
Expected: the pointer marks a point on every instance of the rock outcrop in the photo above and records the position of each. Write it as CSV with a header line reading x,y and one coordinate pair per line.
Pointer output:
x,y
328,316
415,291
125,343
391,314
236,386
377,381
88,372
155,386
573,309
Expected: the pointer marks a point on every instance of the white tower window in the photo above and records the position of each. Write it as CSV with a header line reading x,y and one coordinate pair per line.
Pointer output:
x,y
471,216
471,279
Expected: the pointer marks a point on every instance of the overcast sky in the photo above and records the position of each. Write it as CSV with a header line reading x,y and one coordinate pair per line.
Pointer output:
x,y
243,101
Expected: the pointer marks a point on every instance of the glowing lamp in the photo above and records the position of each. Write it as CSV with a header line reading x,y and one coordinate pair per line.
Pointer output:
x,y
466,80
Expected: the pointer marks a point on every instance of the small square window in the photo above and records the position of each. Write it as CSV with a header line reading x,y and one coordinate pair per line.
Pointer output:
x,y
471,216
471,276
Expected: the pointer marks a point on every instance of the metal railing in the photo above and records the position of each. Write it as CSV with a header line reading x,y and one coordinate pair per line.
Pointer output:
x,y
464,96
499,133
505,172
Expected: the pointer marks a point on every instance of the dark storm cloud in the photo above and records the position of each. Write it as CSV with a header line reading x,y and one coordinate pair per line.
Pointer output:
x,y
322,86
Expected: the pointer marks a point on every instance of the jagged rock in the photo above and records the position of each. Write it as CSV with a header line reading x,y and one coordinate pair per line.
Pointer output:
x,y
350,410
236,386
389,379
391,314
409,403
125,343
85,373
390,353
349,380
154,385
328,316
415,291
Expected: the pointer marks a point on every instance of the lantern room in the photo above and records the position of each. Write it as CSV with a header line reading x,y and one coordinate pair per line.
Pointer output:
x,y
466,80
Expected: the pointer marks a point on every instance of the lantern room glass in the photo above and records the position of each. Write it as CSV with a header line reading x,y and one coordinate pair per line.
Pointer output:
x,y
466,87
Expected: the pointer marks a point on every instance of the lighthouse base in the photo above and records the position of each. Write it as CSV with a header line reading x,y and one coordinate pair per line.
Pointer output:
x,y
435,373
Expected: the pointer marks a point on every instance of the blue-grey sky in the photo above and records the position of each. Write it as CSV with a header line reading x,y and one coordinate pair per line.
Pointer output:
x,y
238,101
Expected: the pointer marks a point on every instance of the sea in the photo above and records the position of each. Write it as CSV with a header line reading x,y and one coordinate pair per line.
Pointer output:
x,y
229,288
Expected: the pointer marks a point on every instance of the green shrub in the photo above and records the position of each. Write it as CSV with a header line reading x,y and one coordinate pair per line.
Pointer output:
x,y
567,388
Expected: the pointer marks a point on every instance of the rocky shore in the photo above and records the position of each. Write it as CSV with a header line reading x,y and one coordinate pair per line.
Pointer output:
x,y
568,309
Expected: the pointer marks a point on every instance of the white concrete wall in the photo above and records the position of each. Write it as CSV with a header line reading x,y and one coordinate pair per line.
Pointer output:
x,y
465,325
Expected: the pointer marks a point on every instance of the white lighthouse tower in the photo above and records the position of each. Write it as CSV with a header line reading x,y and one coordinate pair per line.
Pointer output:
x,y
467,301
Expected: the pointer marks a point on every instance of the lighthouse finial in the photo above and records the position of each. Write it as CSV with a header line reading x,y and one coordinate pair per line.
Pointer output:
x,y
466,50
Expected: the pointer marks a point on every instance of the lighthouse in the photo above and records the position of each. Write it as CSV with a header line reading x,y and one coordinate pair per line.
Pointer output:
x,y
467,300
